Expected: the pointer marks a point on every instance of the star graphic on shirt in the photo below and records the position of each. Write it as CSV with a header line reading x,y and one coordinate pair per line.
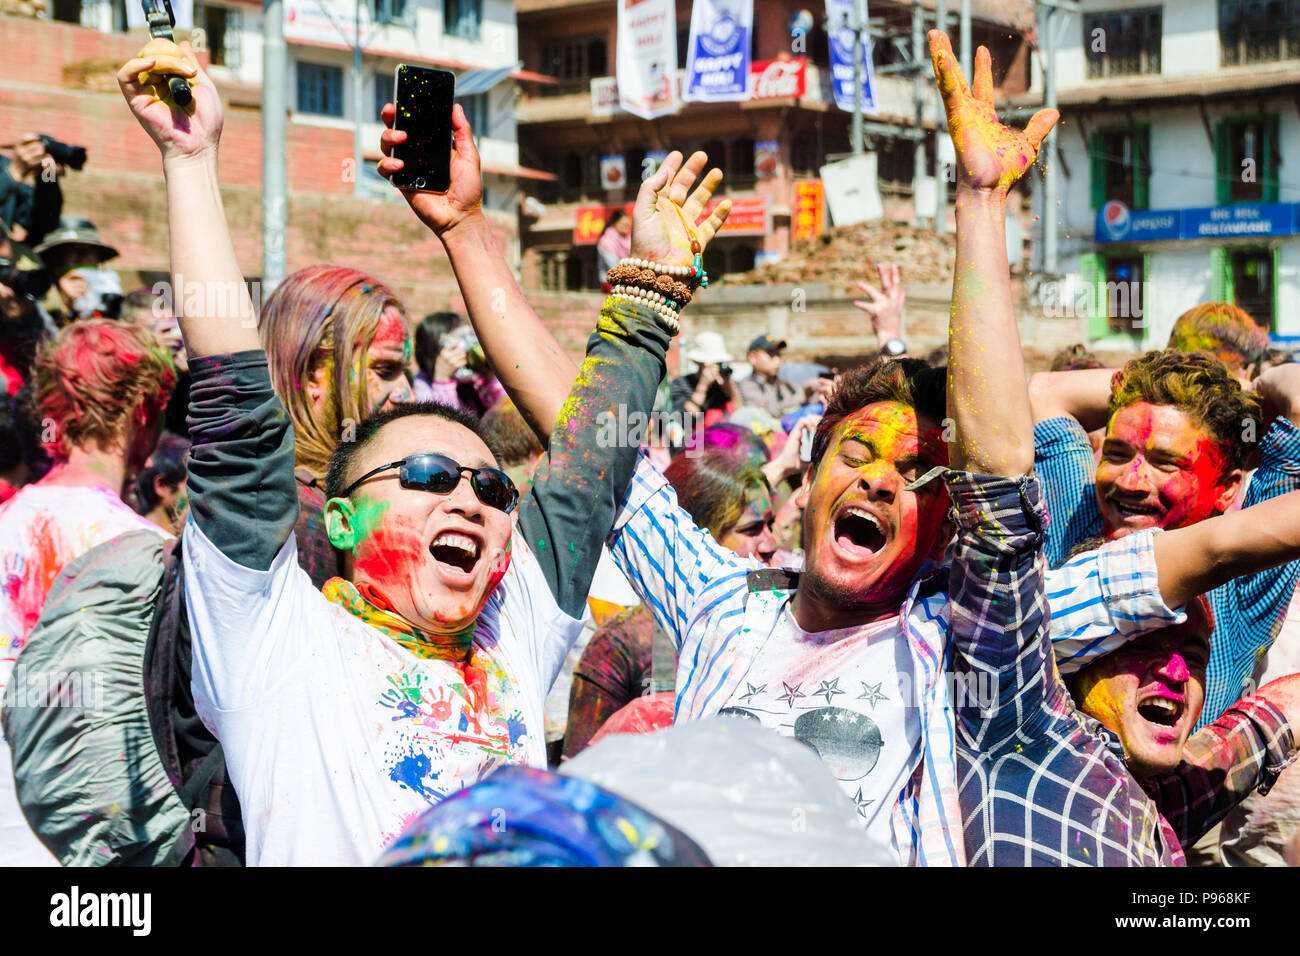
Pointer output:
x,y
871,694
751,690
791,694
861,802
828,689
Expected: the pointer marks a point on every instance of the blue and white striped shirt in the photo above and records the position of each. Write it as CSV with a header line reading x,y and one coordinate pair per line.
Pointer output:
x,y
699,594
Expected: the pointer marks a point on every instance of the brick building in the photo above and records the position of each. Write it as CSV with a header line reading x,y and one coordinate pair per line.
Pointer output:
x,y
782,136
57,77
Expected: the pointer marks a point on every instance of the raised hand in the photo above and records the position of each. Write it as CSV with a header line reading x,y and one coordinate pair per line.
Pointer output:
x,y
180,132
884,305
990,157
463,198
664,200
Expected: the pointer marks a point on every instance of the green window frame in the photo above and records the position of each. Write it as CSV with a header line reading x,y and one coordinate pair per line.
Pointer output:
x,y
1226,171
1098,159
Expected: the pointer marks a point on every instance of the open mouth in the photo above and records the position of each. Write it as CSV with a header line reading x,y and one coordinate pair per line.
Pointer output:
x,y
455,551
1160,710
857,530
1131,511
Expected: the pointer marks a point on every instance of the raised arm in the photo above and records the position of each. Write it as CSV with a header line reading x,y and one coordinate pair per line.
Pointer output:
x,y
585,474
1202,556
220,319
535,371
1081,394
987,401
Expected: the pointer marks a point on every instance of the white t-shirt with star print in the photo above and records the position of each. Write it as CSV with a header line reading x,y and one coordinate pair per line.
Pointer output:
x,y
849,695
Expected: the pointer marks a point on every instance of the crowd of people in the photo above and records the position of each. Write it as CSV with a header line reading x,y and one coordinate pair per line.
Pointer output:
x,y
355,587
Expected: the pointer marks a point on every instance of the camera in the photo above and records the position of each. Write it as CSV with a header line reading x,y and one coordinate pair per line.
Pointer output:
x,y
725,370
74,157
103,296
475,361
33,283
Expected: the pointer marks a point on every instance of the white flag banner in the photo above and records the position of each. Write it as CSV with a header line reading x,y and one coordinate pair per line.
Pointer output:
x,y
647,57
839,28
717,65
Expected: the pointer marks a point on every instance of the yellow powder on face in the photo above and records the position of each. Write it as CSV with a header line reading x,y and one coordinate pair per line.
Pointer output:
x,y
1100,701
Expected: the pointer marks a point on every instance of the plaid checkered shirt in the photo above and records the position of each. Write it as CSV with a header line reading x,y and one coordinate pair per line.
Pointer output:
x,y
1248,611
699,593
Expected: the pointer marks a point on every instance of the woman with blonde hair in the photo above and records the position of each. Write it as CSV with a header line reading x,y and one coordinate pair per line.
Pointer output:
x,y
338,344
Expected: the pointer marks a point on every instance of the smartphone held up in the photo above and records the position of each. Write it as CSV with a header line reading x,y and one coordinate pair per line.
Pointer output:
x,y
423,99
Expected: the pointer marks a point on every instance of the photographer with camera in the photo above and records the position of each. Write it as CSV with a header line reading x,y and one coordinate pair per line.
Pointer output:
x,y
30,198
75,254
708,392
23,323
453,368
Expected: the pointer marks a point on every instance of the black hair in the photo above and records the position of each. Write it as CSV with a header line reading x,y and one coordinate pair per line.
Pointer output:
x,y
339,474
11,447
908,381
168,463
615,218
428,339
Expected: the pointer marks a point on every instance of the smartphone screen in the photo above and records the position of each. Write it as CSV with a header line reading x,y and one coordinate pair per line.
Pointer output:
x,y
424,99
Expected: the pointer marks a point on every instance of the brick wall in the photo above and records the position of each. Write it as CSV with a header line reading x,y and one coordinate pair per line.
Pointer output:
x,y
58,78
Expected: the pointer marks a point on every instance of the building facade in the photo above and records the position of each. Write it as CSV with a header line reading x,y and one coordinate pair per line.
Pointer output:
x,y
56,77
770,147
1177,122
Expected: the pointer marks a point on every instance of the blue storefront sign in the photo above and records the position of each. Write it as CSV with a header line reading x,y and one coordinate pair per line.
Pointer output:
x,y
1117,223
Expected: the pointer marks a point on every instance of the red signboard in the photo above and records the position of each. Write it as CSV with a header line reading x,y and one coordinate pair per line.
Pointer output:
x,y
748,217
809,210
590,221
777,79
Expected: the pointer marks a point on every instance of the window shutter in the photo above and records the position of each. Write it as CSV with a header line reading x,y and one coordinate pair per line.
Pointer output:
x,y
1142,172
1224,173
234,38
1272,154
1091,272
1220,276
1277,284
1097,163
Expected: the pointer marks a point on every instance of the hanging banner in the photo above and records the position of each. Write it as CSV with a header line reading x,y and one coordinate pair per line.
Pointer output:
x,y
809,216
647,57
717,65
839,27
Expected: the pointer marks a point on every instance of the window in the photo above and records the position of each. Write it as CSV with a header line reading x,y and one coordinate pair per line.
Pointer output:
x,y
1255,31
461,18
1121,298
1123,43
66,11
221,28
392,11
1247,160
1253,282
1121,166
320,89
383,91
574,61
478,113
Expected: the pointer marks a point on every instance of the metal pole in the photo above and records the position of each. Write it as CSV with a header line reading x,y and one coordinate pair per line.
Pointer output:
x,y
274,112
967,54
358,87
859,25
918,96
940,174
1050,221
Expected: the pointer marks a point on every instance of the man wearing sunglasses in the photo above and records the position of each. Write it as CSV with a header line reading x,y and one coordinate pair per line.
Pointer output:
x,y
345,712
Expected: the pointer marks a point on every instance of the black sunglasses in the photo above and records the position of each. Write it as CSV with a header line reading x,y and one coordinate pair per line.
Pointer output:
x,y
440,475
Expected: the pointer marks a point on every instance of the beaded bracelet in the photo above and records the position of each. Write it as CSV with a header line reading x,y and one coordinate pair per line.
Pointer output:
x,y
667,316
650,281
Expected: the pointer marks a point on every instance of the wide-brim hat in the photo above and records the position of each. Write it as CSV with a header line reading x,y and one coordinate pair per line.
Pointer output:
x,y
709,349
75,231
